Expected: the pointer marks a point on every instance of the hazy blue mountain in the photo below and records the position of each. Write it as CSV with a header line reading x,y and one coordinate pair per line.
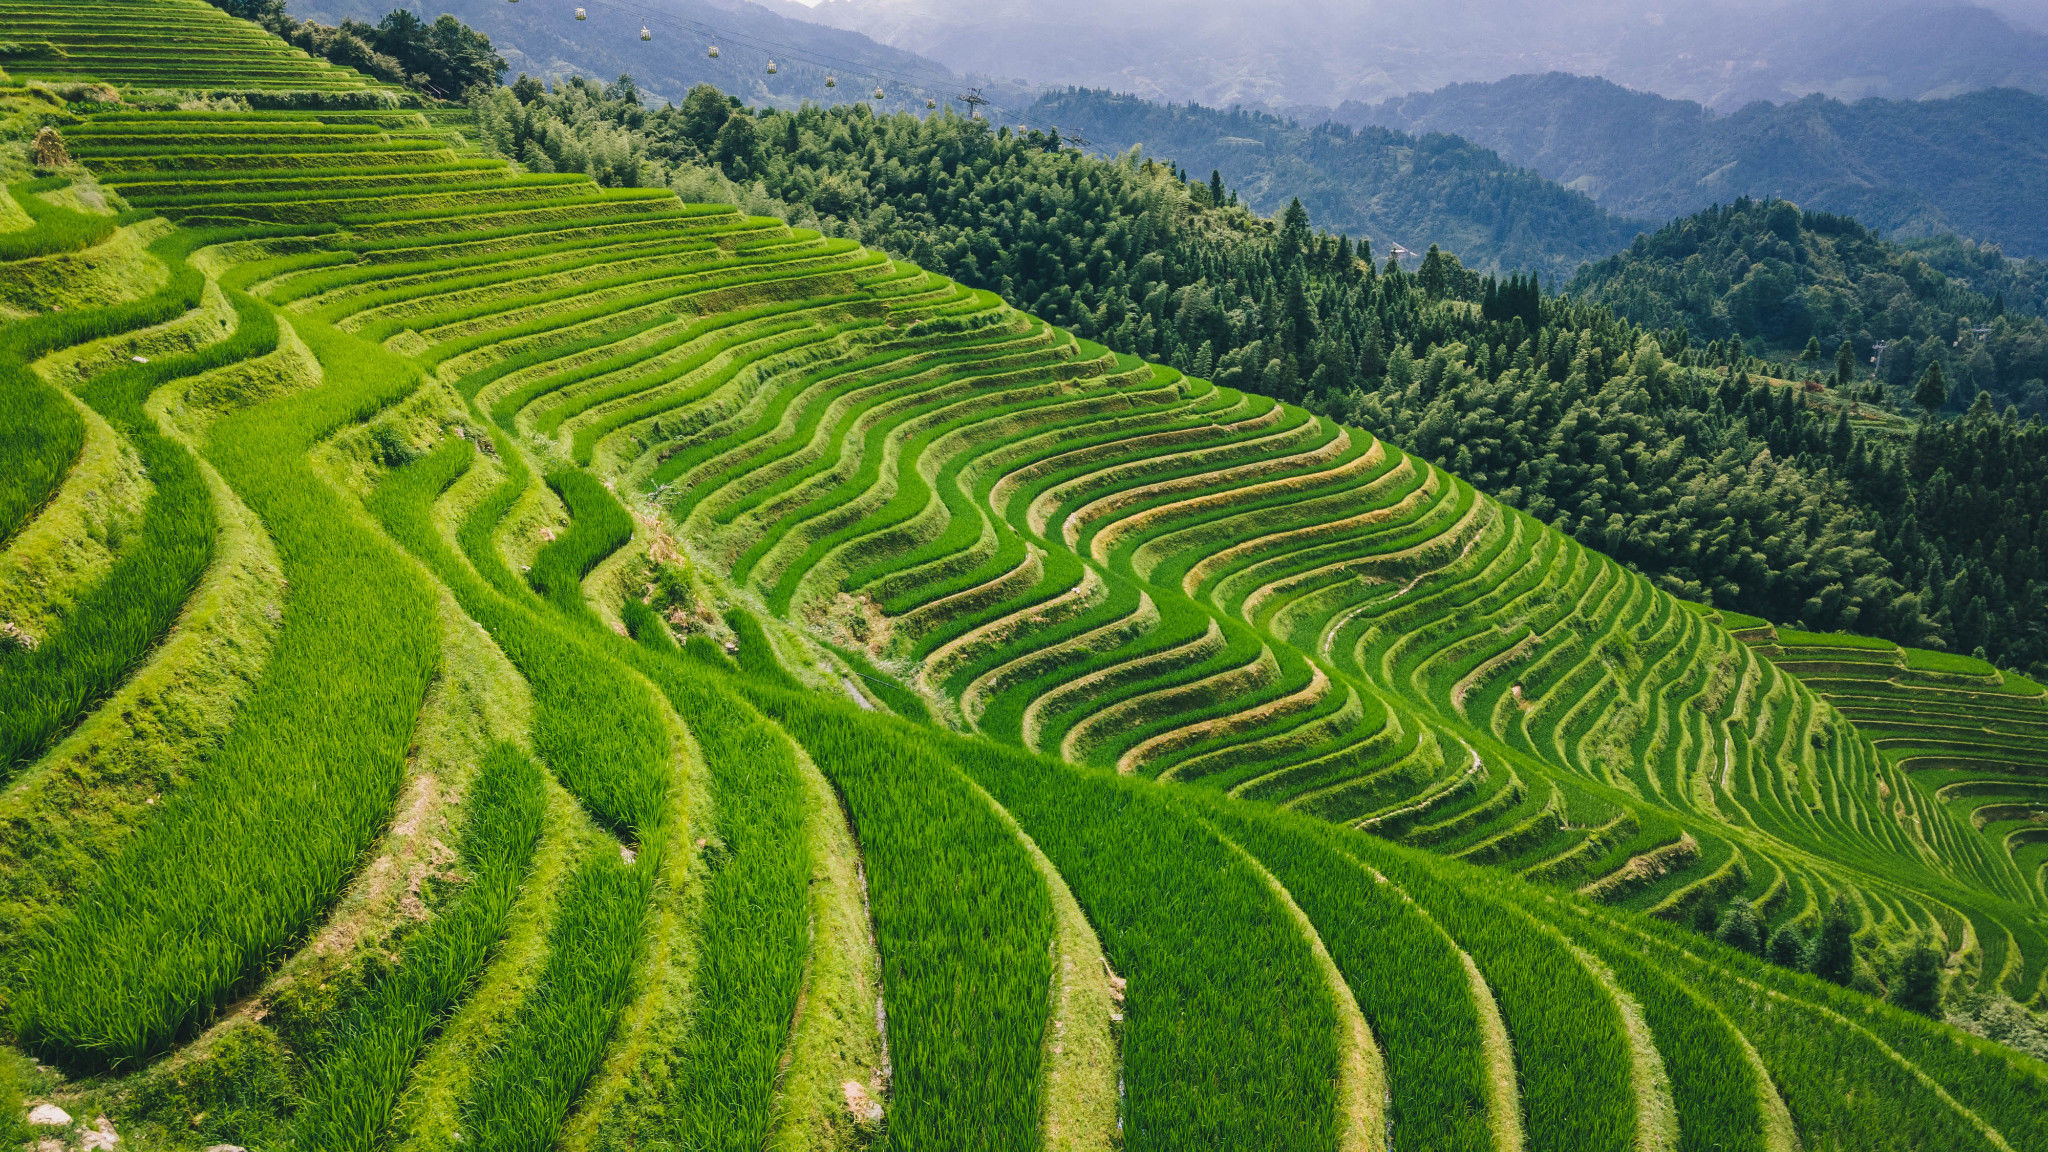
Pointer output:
x,y
1281,53
545,39
1975,164
1387,186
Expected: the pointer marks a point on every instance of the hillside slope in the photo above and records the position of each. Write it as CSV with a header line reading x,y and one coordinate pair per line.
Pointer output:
x,y
1387,186
1969,164
489,778
1775,276
1531,398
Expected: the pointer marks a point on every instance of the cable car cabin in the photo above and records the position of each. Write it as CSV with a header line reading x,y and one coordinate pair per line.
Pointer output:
x,y
878,93
645,34
772,69
582,15
831,82
929,103
714,52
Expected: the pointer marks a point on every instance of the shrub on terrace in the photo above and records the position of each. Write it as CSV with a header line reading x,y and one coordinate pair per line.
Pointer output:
x,y
1741,927
1787,947
1917,987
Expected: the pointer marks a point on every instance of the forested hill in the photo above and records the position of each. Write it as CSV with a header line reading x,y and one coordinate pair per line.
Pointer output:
x,y
1779,277
1388,186
1974,164
1724,490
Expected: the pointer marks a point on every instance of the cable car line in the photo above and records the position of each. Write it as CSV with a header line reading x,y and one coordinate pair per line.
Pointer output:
x,y
652,19
778,52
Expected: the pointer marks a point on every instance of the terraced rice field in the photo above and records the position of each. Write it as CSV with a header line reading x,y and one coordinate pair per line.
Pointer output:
x,y
620,673
171,47
1970,738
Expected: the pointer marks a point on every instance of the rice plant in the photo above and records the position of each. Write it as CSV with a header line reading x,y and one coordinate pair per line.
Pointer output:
x,y
525,1085
1076,552
598,527
1229,1037
53,229
234,867
1404,970
40,436
353,1080
1570,1044
964,926
755,929
593,722
119,620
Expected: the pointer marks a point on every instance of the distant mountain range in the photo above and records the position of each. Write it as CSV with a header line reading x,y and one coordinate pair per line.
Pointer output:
x,y
1975,164
1283,53
1386,186
546,40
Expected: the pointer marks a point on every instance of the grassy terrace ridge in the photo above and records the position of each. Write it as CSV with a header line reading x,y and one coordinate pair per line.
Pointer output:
x,y
760,693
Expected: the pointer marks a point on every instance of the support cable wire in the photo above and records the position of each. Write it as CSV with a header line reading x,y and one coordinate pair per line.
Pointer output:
x,y
919,87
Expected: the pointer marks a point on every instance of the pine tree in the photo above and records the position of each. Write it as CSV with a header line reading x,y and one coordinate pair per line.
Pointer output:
x,y
1435,273
1833,955
1812,352
1294,235
1845,364
1933,391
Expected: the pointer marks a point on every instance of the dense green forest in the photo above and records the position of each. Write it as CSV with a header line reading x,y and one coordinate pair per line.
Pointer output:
x,y
1776,277
2020,285
1974,164
1388,186
444,58
1725,490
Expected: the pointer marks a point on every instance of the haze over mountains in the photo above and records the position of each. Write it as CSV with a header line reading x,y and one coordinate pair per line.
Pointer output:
x,y
547,41
1376,184
1721,53
1975,164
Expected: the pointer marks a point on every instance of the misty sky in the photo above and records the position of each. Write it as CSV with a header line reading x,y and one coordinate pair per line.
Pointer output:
x,y
1323,53
2030,12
